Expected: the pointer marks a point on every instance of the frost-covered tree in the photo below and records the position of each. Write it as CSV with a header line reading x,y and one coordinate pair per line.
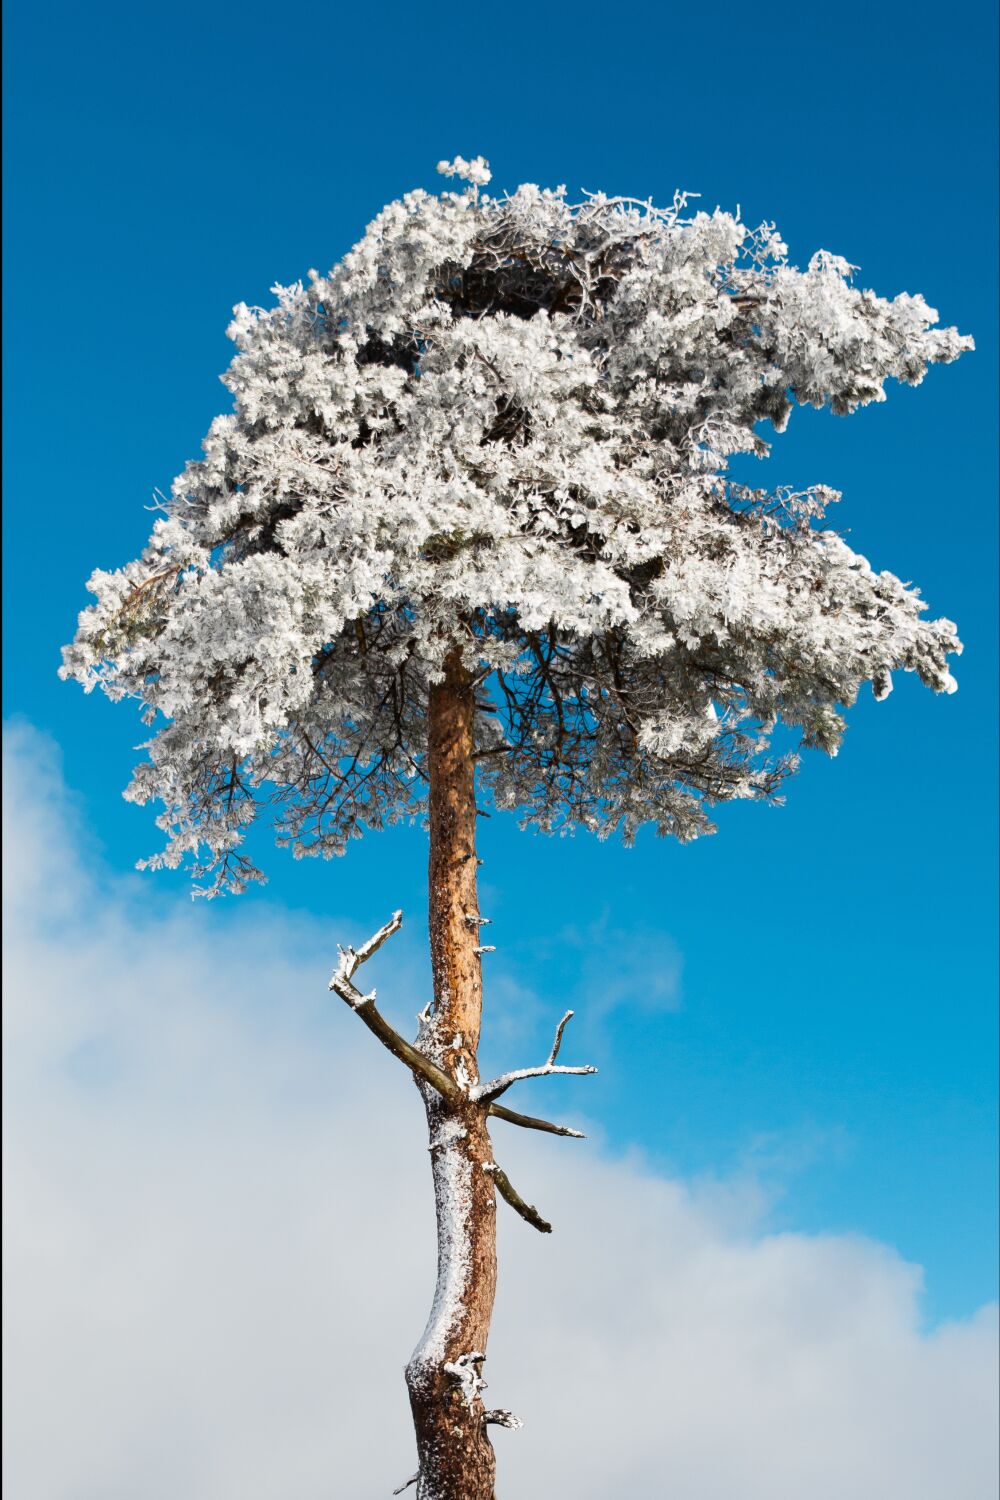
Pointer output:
x,y
469,532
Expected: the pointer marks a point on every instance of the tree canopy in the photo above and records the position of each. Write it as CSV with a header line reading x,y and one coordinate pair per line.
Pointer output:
x,y
503,426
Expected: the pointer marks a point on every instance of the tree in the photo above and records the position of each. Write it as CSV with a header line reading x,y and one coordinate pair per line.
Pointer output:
x,y
470,532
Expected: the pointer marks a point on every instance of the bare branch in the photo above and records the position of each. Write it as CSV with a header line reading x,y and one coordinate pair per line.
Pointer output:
x,y
363,1006
498,1086
411,1056
412,1480
530,1122
529,1213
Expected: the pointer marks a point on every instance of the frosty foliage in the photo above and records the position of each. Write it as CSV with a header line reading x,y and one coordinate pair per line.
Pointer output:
x,y
504,423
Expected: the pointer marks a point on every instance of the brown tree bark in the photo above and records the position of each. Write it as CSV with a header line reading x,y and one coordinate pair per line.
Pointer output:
x,y
444,1375
445,1372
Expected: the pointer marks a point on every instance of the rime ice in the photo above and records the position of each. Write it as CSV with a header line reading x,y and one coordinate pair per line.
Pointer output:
x,y
509,421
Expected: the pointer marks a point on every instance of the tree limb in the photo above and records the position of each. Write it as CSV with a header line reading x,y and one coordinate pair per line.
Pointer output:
x,y
364,1007
498,1086
530,1122
529,1213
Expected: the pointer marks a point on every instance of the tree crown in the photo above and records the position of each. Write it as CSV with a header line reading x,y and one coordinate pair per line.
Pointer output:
x,y
501,426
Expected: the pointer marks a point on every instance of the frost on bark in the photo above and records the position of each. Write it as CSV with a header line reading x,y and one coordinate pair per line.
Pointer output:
x,y
470,531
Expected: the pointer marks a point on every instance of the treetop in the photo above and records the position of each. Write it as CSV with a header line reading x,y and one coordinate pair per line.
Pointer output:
x,y
501,426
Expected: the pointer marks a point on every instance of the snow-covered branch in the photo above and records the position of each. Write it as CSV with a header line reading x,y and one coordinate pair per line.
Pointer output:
x,y
497,1086
501,1417
557,1040
364,1007
351,960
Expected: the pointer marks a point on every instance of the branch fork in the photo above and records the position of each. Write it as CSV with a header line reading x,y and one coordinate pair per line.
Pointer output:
x,y
421,1066
351,960
487,1092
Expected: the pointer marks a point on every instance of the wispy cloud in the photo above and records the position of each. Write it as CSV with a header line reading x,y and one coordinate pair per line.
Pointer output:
x,y
220,1249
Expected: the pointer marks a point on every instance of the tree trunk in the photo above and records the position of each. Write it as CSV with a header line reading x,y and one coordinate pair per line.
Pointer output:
x,y
444,1375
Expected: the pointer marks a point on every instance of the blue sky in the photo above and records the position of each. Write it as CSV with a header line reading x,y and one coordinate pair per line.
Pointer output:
x,y
808,996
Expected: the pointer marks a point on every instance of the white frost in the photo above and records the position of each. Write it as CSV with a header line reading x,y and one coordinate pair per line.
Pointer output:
x,y
517,412
453,1194
476,171
465,1370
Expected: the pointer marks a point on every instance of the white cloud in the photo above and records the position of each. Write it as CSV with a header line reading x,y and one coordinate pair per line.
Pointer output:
x,y
219,1249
